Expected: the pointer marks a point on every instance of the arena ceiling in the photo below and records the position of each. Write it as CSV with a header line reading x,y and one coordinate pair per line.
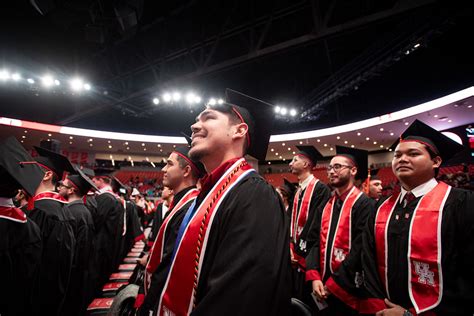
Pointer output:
x,y
335,62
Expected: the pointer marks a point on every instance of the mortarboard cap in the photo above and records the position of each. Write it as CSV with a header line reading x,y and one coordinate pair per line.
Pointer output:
x,y
82,182
135,192
116,185
198,167
88,172
358,157
288,187
440,144
373,174
55,162
20,175
257,114
311,153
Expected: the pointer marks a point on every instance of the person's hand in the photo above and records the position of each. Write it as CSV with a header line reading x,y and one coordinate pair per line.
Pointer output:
x,y
143,260
391,310
292,256
319,290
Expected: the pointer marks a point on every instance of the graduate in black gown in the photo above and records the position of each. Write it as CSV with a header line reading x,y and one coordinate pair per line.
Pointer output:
x,y
74,189
20,242
231,256
287,193
340,227
310,197
180,176
373,185
161,212
418,248
57,231
108,222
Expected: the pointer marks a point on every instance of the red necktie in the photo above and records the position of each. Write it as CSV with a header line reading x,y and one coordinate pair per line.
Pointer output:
x,y
408,198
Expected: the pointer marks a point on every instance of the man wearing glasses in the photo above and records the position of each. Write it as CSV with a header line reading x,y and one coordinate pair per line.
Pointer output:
x,y
339,229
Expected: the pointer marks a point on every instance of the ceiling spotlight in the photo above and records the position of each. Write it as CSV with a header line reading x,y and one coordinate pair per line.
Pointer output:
x,y
331,148
176,96
159,145
220,101
338,137
301,142
381,129
450,121
277,109
190,97
325,145
269,162
283,111
47,81
294,153
70,137
391,134
352,146
436,115
292,112
156,101
469,106
128,148
16,76
406,123
272,149
23,136
318,140
375,143
283,144
56,82
126,143
381,146
197,99
110,146
167,97
30,80
212,101
108,141
367,138
90,145
345,142
289,149
143,144
87,86
358,134
4,75
144,149
76,84
390,149
70,143
50,135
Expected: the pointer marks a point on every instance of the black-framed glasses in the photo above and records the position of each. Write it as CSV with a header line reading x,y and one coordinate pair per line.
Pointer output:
x,y
61,184
337,167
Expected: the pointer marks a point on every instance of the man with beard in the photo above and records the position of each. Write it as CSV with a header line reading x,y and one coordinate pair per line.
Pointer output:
x,y
340,227
180,175
160,214
20,242
74,189
57,230
231,255
309,199
418,251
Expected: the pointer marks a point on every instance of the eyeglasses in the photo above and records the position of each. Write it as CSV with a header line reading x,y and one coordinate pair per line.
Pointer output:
x,y
61,184
337,167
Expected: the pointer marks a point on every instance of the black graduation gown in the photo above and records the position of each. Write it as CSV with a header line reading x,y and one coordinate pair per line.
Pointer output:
x,y
158,219
20,259
108,223
59,242
158,278
246,267
457,255
308,236
351,266
134,230
80,291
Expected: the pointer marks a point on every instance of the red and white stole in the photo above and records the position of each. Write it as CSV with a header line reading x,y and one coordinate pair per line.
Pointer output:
x,y
425,278
178,295
10,212
156,253
341,243
49,195
299,216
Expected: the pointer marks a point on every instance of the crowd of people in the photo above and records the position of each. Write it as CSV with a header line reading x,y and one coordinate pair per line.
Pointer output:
x,y
225,242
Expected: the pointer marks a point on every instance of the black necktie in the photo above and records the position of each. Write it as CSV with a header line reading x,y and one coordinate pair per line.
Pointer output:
x,y
407,199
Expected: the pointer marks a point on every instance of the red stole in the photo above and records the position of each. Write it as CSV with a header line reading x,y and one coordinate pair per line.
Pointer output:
x,y
49,195
341,244
299,216
425,278
159,244
12,214
178,295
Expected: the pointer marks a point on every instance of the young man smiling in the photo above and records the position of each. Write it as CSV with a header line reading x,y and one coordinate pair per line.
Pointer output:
x,y
231,256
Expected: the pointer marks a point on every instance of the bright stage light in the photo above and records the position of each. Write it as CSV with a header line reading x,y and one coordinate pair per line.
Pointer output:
x,y
283,111
56,82
16,77
197,99
47,81
30,81
176,96
156,101
76,84
87,86
212,101
167,97
292,112
220,101
190,97
4,75
277,109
